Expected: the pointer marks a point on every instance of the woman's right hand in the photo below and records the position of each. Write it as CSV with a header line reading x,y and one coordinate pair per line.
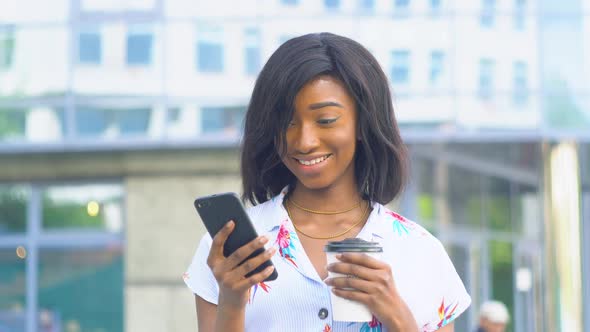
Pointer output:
x,y
233,285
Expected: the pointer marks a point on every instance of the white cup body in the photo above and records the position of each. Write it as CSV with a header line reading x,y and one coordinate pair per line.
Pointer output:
x,y
345,309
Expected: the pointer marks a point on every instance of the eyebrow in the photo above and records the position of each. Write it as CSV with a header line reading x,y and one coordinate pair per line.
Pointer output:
x,y
324,104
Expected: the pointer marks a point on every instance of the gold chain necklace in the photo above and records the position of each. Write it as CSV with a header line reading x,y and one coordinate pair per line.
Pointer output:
x,y
324,212
331,236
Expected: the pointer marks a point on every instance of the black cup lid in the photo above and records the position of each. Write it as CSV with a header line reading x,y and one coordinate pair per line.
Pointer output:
x,y
353,245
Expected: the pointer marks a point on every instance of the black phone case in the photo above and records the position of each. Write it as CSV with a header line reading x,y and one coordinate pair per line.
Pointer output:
x,y
216,210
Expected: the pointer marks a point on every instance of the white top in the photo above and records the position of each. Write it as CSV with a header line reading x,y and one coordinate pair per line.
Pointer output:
x,y
423,273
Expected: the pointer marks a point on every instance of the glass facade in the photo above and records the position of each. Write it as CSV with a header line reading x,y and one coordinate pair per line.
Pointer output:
x,y
484,202
61,257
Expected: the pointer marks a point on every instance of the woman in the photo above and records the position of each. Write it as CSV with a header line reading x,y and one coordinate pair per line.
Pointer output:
x,y
321,155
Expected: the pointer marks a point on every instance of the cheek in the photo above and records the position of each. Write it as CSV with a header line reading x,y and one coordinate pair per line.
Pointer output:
x,y
345,142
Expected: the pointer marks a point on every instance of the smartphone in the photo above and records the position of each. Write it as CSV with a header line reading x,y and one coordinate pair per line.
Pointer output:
x,y
216,210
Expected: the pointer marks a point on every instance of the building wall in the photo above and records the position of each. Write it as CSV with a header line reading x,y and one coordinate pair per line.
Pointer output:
x,y
163,232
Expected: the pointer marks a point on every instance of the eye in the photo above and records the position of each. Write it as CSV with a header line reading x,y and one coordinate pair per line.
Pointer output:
x,y
327,121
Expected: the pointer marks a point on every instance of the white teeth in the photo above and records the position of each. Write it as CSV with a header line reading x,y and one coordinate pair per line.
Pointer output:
x,y
312,162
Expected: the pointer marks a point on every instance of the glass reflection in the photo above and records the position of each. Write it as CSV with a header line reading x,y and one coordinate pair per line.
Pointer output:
x,y
527,211
227,120
109,123
12,124
465,198
520,155
13,290
497,204
81,290
461,259
34,124
83,207
13,209
501,255
426,194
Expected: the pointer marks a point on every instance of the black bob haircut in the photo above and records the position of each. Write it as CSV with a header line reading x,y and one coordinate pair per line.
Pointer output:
x,y
381,156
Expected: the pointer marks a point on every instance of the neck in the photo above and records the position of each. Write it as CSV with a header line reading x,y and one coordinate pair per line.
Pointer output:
x,y
326,199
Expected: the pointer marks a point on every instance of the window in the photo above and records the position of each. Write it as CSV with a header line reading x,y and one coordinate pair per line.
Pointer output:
x,y
436,66
77,233
112,123
367,5
519,14
332,4
89,47
88,206
7,42
209,49
13,209
12,123
435,5
486,78
401,8
290,2
252,51
487,13
520,89
13,283
227,120
400,67
139,46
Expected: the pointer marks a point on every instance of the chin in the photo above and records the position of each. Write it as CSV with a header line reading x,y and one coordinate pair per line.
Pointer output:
x,y
318,184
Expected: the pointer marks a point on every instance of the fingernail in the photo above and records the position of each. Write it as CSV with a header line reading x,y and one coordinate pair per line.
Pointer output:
x,y
229,223
329,267
338,256
263,239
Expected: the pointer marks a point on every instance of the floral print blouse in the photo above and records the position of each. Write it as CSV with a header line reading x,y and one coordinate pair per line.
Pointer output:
x,y
300,301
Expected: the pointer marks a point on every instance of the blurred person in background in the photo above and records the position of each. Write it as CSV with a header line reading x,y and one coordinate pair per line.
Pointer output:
x,y
321,155
493,317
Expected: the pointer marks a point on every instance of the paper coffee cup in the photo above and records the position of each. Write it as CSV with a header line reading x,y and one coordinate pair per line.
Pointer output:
x,y
344,309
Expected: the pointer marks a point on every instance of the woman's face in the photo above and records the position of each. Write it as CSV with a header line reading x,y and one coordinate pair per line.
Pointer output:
x,y
321,138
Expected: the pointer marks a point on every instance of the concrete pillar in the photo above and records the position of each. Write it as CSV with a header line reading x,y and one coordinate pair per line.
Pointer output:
x,y
563,284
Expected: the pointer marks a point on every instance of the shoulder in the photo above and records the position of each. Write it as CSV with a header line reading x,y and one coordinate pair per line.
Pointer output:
x,y
393,225
401,233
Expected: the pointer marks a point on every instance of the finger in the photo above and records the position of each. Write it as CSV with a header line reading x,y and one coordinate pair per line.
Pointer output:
x,y
357,284
361,259
352,295
216,250
245,251
353,269
254,262
256,278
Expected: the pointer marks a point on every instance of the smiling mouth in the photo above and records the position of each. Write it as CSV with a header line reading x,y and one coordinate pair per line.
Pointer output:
x,y
313,161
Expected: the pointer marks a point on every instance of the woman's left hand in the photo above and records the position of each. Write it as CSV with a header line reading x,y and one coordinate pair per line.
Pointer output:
x,y
372,285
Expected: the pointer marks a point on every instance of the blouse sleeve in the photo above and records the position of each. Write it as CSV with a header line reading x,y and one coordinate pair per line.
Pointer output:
x,y
444,295
199,277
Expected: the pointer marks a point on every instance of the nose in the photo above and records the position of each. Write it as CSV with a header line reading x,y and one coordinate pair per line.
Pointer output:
x,y
303,139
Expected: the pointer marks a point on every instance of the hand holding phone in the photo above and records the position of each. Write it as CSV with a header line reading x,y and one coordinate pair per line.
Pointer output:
x,y
238,244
